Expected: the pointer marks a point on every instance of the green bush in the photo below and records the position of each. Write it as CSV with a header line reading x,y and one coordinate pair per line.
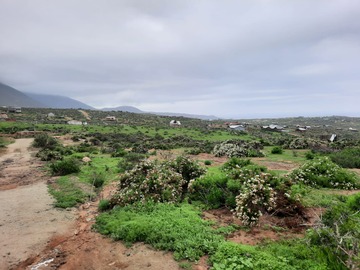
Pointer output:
x,y
211,190
65,166
104,205
235,163
277,150
322,172
347,158
339,233
129,161
98,179
207,162
179,229
309,155
44,140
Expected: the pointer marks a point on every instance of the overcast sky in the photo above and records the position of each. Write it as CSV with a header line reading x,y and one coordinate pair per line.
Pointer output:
x,y
255,58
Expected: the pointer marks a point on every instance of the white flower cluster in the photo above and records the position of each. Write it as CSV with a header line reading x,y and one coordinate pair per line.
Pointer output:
x,y
322,172
255,197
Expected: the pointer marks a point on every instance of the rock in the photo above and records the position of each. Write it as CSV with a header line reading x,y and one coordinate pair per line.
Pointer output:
x,y
86,159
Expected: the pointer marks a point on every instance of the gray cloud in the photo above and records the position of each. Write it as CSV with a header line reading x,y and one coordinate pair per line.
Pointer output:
x,y
257,58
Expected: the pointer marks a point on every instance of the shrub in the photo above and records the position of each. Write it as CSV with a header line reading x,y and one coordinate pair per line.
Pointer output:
x,y
309,155
211,190
98,179
277,150
347,158
188,168
235,148
129,161
44,140
207,162
104,205
119,153
166,182
339,232
256,196
235,163
322,172
65,166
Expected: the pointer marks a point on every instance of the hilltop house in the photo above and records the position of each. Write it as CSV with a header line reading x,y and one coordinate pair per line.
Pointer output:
x,y
175,123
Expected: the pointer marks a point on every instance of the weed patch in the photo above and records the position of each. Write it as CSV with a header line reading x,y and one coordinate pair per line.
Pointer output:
x,y
164,226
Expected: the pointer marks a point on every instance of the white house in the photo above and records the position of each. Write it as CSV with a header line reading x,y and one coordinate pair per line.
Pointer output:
x,y
175,123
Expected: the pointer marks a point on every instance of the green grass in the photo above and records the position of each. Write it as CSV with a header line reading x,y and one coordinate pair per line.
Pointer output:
x,y
67,192
100,164
164,226
297,156
290,255
311,197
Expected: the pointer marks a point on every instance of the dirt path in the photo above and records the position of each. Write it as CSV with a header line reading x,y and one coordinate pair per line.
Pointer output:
x,y
85,114
27,218
84,249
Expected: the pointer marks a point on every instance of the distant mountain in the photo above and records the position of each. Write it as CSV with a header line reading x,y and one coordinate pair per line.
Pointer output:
x,y
198,116
124,109
136,110
9,96
59,102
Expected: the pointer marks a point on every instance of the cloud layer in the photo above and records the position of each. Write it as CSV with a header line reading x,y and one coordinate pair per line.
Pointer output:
x,y
258,58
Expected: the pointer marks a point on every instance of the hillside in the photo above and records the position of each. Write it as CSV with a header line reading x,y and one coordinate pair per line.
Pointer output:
x,y
59,102
136,110
124,109
12,97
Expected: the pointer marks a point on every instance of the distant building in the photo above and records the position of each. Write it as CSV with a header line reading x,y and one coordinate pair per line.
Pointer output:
x,y
110,118
50,115
237,127
353,129
14,109
273,128
175,123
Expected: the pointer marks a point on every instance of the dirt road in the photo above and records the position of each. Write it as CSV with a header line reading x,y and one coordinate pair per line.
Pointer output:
x,y
34,235
27,217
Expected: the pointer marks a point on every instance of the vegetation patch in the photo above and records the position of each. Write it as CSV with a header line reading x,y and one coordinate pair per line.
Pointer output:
x,y
177,228
149,180
67,192
277,256
323,173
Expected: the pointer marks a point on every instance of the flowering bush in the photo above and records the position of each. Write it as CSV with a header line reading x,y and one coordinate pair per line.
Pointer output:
x,y
166,182
322,172
238,148
255,196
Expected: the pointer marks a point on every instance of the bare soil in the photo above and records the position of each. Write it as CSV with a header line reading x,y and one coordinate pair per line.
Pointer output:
x,y
27,218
